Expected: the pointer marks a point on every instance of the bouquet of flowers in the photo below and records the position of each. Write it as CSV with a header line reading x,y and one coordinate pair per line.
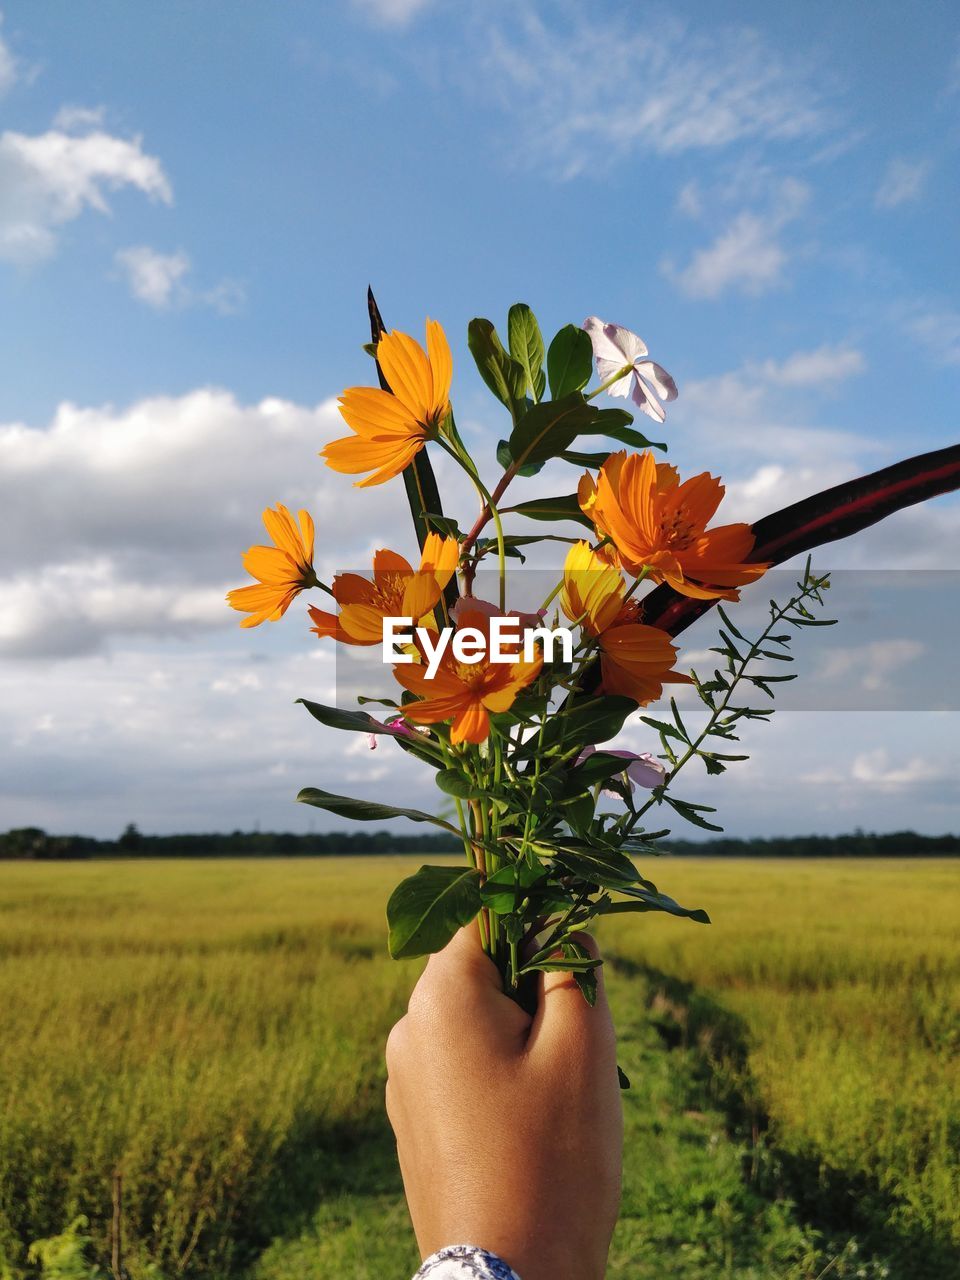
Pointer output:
x,y
512,711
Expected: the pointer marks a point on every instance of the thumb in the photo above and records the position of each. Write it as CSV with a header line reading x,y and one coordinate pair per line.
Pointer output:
x,y
565,1025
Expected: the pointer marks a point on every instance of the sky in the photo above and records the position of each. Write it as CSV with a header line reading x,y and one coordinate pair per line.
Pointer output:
x,y
193,200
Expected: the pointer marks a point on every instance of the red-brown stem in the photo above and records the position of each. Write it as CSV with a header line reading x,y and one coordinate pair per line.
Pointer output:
x,y
485,512
469,571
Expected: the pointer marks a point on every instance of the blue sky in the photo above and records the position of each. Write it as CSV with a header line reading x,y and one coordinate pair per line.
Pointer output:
x,y
192,202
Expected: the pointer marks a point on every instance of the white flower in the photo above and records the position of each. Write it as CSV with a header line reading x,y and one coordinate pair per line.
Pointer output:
x,y
617,349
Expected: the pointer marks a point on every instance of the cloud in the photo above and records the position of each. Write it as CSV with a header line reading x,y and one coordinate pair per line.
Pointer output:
x,y
587,94
822,368
870,665
9,67
160,281
938,330
71,118
154,278
755,410
877,769
132,521
391,13
49,179
748,257
902,183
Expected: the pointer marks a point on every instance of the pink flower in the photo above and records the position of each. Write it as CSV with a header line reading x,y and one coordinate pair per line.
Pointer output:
x,y
643,769
616,350
400,726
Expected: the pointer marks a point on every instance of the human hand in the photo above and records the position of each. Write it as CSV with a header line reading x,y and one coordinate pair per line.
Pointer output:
x,y
509,1127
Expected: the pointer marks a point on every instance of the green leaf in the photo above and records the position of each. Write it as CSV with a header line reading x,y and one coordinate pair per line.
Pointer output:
x,y
505,458
668,730
352,721
566,507
564,965
569,361
598,866
584,723
615,423
366,810
579,813
549,428
444,525
690,812
598,767
503,375
526,347
456,783
426,910
594,461
622,1078
586,979
646,900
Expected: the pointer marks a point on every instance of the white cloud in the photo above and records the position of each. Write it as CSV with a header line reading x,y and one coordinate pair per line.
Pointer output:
x,y
155,278
902,183
71,118
748,256
138,517
391,13
938,330
870,665
822,368
49,179
756,411
586,96
160,281
9,69
877,769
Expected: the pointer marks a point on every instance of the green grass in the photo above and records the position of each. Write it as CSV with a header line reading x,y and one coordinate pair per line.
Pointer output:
x,y
215,1030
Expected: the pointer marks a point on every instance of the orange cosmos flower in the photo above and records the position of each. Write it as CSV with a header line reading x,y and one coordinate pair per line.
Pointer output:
x,y
657,523
395,592
283,570
635,660
392,429
466,692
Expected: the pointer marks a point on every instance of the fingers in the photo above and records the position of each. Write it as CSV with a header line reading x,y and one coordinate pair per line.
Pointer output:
x,y
565,1024
460,995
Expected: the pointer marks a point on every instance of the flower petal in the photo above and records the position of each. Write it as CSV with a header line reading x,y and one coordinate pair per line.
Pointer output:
x,y
658,378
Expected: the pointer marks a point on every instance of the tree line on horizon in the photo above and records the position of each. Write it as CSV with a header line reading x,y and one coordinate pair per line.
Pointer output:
x,y
34,844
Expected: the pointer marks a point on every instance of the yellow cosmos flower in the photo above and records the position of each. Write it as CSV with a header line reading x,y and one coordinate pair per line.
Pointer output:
x,y
657,522
282,571
465,692
390,429
397,591
636,661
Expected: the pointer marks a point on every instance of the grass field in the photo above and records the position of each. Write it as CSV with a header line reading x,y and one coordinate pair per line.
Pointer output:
x,y
214,1031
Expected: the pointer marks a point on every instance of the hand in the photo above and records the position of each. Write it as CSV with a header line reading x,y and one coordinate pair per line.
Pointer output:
x,y
509,1127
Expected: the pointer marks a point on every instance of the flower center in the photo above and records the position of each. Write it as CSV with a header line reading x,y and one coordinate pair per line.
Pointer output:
x,y
677,529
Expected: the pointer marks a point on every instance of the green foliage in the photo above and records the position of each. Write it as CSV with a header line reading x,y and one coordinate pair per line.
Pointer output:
x,y
365,810
569,361
566,507
167,1017
426,909
526,347
549,428
505,376
64,1256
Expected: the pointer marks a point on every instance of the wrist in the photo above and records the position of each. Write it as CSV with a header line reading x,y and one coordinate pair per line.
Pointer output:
x,y
460,1260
